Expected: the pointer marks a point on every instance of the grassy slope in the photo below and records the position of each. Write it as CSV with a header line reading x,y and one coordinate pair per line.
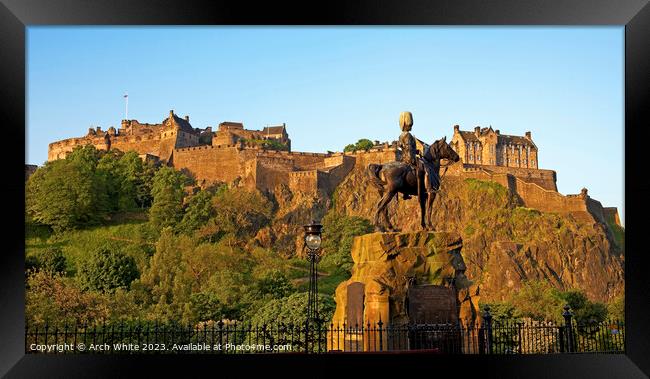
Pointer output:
x,y
132,237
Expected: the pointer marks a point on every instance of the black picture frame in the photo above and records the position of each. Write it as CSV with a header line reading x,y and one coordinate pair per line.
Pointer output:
x,y
16,15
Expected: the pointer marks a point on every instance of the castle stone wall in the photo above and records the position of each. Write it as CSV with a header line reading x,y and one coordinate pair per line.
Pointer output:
x,y
146,144
61,149
272,171
611,214
543,178
596,209
213,164
536,196
378,156
305,181
344,164
308,160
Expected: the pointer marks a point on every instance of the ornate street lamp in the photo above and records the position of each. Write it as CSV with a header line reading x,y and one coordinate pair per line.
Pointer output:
x,y
312,243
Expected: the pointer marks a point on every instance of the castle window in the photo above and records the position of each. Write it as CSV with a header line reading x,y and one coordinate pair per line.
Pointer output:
x,y
532,162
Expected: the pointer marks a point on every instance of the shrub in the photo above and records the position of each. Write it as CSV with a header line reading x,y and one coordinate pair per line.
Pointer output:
x,y
53,298
338,233
292,310
106,270
275,284
52,261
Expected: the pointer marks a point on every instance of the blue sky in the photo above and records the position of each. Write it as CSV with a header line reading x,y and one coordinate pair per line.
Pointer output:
x,y
335,85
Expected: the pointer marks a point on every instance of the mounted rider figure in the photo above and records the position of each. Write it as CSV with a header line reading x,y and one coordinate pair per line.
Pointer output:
x,y
414,157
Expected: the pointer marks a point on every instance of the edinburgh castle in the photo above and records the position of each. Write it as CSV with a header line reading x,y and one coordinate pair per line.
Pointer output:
x,y
263,160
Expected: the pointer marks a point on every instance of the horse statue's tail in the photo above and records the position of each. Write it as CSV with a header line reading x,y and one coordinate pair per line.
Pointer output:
x,y
373,174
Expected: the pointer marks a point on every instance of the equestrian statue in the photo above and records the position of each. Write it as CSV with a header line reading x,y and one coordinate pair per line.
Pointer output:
x,y
416,173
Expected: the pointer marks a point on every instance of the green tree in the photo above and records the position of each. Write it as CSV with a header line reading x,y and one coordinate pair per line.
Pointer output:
x,y
362,144
66,194
538,300
205,306
168,192
198,212
86,157
339,231
235,292
127,180
144,184
181,267
111,177
160,282
275,284
584,311
239,214
501,311
107,269
616,308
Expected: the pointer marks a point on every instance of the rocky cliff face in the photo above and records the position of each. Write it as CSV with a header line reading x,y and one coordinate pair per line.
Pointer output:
x,y
294,209
504,244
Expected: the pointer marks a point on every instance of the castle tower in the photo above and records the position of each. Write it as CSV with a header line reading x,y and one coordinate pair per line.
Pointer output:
x,y
488,147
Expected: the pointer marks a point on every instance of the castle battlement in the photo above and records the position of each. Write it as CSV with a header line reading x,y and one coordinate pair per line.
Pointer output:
x,y
304,173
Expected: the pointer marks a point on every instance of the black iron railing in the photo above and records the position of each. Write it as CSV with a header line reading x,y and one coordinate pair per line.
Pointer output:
x,y
488,337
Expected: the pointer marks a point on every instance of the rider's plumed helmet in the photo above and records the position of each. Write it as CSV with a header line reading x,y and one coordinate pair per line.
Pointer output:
x,y
405,121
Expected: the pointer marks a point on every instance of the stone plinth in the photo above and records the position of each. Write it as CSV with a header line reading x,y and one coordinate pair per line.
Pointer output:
x,y
386,265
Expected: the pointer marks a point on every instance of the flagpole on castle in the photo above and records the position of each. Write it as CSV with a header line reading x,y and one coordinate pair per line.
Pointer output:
x,y
126,111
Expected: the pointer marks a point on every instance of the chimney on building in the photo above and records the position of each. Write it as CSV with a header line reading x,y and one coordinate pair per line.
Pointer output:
x,y
171,113
497,132
187,118
477,130
528,135
456,129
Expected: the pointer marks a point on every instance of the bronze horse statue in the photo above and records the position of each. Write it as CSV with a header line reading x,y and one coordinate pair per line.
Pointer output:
x,y
397,177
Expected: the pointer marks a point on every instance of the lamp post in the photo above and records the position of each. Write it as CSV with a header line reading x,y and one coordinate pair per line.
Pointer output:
x,y
312,243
